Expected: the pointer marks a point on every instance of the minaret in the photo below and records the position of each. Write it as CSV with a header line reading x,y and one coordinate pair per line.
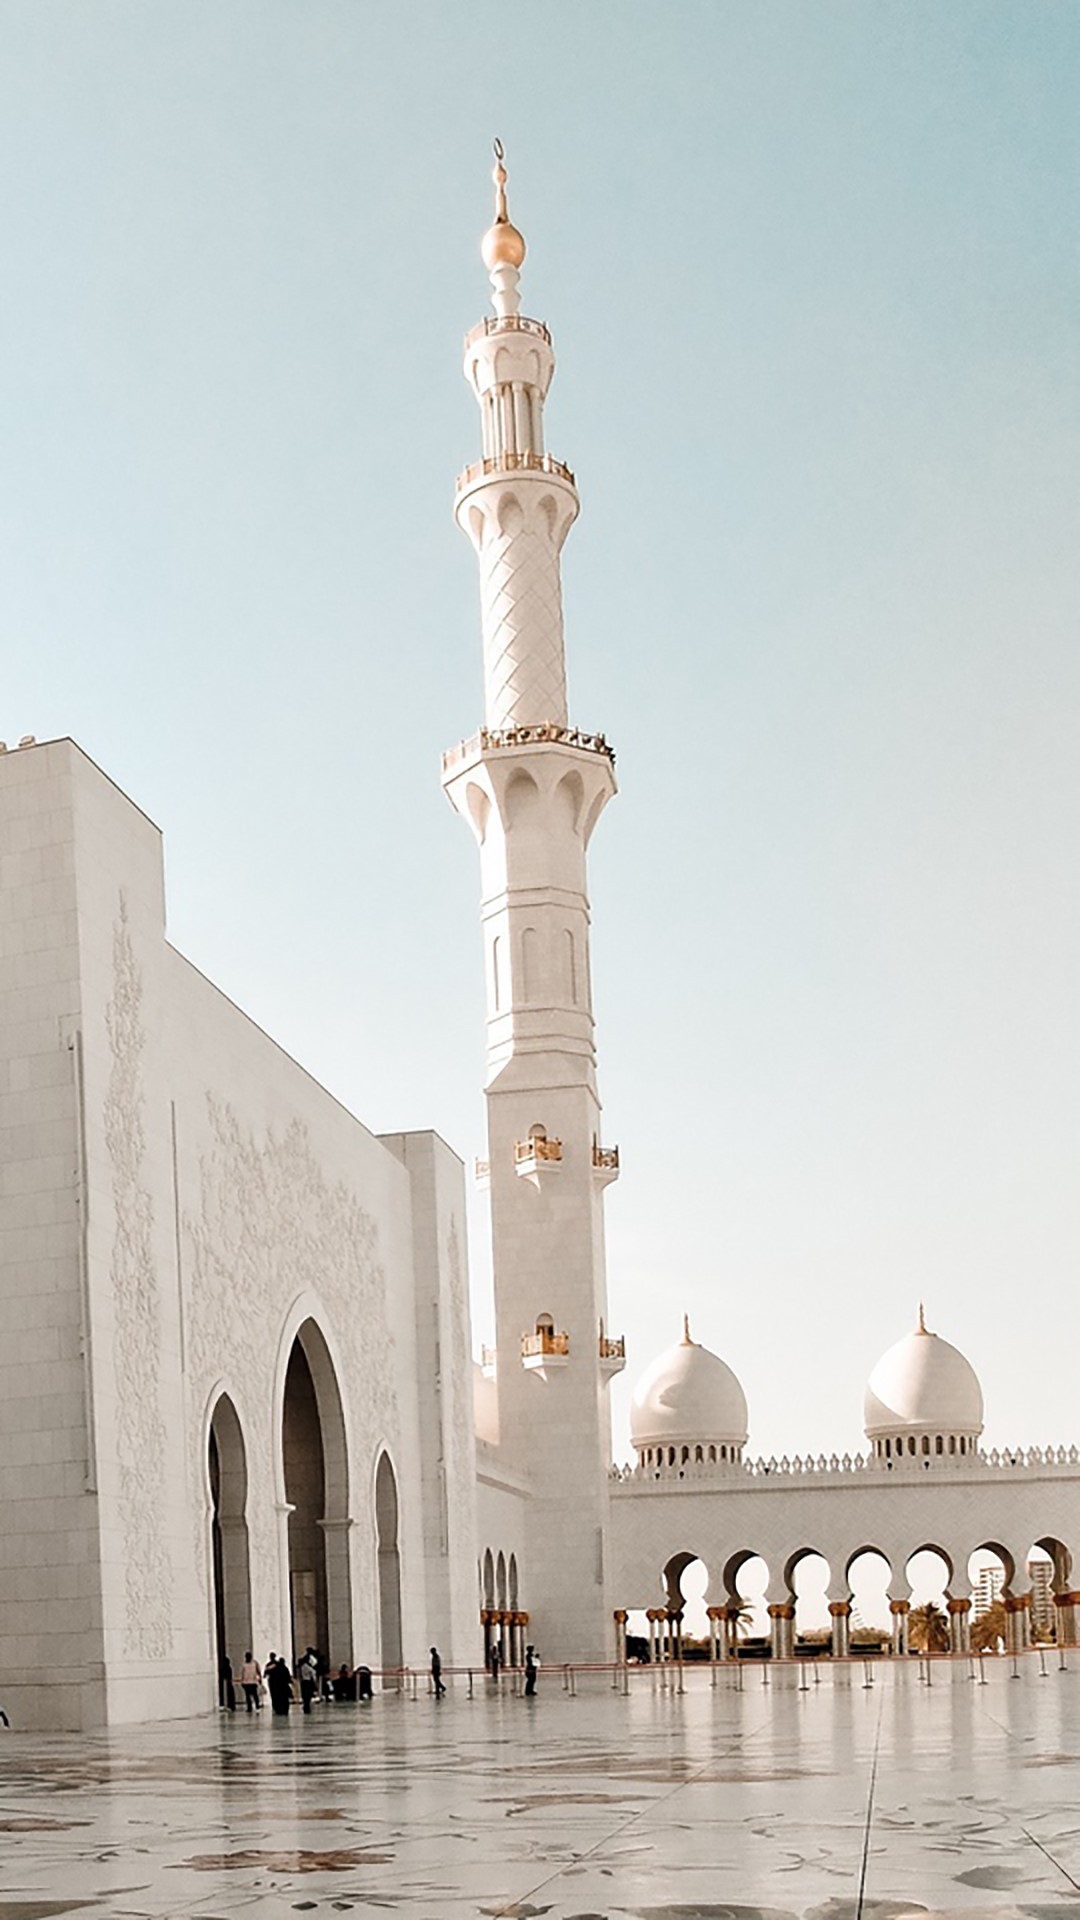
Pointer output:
x,y
532,788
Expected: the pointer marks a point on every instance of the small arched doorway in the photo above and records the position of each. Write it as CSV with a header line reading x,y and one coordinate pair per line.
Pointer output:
x,y
227,1468
386,1527
317,1492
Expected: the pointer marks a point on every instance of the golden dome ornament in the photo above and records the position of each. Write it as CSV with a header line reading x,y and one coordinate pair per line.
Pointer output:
x,y
502,244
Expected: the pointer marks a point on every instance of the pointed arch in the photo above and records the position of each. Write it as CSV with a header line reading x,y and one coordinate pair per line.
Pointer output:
x,y
312,1473
387,1524
225,1456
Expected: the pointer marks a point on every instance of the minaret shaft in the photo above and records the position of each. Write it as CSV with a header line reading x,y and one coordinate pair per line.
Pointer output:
x,y
532,789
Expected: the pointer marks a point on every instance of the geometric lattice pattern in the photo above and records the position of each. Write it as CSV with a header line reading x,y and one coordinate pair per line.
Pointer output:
x,y
521,608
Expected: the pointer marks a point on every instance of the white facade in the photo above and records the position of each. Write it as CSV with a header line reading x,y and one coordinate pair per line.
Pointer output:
x,y
237,1400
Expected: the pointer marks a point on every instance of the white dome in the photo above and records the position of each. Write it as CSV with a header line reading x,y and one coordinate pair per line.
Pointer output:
x,y
688,1396
923,1385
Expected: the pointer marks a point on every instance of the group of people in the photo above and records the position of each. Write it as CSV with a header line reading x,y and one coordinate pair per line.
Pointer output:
x,y
495,1664
312,1677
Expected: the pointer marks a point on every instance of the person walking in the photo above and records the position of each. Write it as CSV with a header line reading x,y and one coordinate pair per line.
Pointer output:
x,y
251,1681
279,1681
308,1676
436,1673
228,1688
532,1668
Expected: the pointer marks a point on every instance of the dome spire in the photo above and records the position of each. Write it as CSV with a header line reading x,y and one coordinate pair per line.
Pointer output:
x,y
922,1327
503,247
686,1340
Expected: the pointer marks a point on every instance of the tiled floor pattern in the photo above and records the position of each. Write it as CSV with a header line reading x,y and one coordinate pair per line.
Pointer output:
x,y
770,1804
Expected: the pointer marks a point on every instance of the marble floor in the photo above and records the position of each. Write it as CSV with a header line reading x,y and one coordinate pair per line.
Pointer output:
x,y
763,1804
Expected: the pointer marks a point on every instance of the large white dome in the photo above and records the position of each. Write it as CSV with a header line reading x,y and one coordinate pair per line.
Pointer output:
x,y
688,1397
923,1385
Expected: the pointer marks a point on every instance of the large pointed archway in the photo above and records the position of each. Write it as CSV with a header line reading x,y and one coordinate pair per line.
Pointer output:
x,y
227,1472
315,1470
389,1556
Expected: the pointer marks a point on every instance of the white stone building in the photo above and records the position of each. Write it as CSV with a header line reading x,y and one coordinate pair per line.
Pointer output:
x,y
237,1401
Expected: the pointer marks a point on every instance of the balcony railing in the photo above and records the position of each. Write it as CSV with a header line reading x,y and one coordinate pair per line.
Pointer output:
x,y
515,463
613,1349
537,1149
507,323
546,1344
488,1357
547,733
481,1171
605,1159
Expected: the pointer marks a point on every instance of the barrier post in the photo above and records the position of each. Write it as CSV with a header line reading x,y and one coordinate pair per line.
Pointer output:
x,y
804,1684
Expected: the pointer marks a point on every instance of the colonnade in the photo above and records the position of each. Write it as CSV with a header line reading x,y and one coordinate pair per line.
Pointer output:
x,y
504,1627
665,1626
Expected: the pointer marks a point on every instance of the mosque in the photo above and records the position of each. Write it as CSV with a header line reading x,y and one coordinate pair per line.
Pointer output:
x,y
239,1406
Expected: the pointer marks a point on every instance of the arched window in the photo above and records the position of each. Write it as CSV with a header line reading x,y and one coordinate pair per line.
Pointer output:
x,y
939,1445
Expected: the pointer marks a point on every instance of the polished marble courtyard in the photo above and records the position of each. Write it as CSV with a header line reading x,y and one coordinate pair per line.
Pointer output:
x,y
769,1803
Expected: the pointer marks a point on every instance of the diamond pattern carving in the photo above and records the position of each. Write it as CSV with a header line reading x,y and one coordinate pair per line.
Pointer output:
x,y
521,603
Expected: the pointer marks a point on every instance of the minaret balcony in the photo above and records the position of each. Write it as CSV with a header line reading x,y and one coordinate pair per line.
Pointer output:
x,y
537,1157
612,1355
544,1349
507,323
488,1362
482,1173
605,1164
527,462
490,739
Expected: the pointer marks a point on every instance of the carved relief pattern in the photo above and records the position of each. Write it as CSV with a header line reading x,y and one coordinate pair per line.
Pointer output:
x,y
270,1226
521,607
141,1437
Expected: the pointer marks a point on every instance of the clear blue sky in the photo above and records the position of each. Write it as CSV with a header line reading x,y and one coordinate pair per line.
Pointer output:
x,y
812,275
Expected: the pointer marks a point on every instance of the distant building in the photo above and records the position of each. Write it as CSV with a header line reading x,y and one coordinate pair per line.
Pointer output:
x,y
988,1588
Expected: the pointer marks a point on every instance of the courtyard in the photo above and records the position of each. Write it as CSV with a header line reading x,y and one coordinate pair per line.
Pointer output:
x,y
780,1801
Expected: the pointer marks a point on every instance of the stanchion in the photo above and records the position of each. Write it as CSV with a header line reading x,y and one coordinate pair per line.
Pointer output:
x,y
1063,1665
1015,1674
764,1673
1042,1663
573,1683
868,1679
470,1684
804,1684
982,1671
817,1674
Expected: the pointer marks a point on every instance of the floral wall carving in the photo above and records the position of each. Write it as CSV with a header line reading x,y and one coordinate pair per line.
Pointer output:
x,y
268,1226
140,1427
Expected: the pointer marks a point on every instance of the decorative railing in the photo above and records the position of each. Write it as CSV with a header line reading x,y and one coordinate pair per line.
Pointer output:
x,y
547,733
488,1357
537,1149
910,1467
605,1159
507,323
526,462
613,1349
545,1343
482,1169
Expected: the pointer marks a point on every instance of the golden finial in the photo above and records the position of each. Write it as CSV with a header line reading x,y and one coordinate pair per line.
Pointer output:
x,y
502,244
686,1340
922,1319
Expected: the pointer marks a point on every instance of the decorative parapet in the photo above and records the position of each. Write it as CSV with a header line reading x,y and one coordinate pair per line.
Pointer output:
x,y
544,1348
489,739
536,1157
1063,1462
514,463
605,1163
507,323
612,1353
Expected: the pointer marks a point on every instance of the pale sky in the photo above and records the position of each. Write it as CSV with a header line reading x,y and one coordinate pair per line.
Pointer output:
x,y
812,276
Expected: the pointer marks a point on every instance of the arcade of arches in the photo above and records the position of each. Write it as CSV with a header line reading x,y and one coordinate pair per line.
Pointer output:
x,y
923,1602
315,1487
502,1618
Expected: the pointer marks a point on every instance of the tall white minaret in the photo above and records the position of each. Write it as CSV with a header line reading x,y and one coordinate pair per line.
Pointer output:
x,y
532,788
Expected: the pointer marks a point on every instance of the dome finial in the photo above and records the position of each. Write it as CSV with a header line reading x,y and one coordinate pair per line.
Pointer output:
x,y
502,247
686,1340
923,1328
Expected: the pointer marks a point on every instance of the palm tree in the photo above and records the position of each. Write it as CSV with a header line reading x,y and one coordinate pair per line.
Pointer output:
x,y
928,1629
988,1631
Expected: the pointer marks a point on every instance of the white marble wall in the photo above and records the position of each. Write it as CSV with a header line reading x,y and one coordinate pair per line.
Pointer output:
x,y
178,1199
